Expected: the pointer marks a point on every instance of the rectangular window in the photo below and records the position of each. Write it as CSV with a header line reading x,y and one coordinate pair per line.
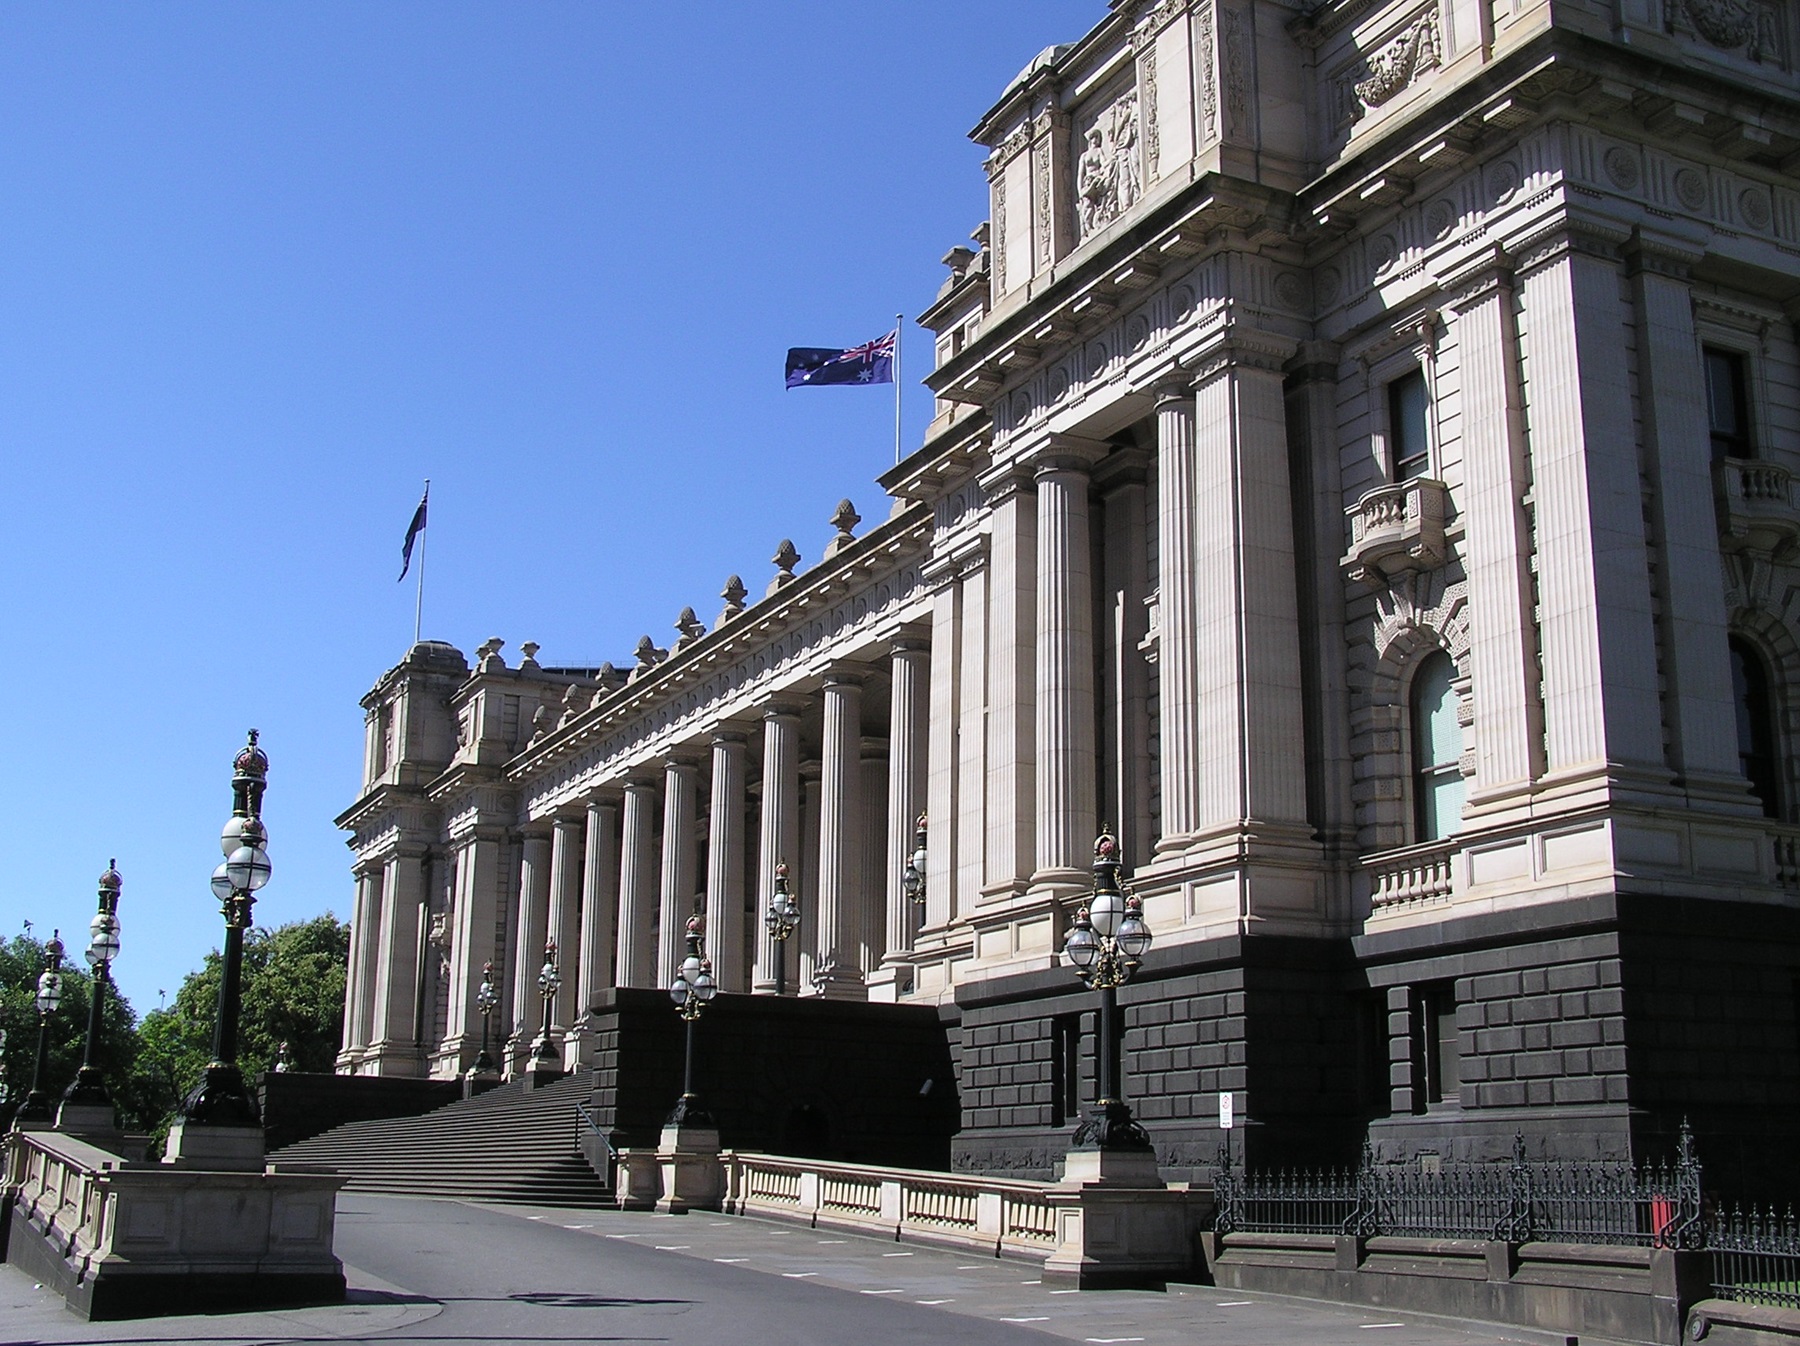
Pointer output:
x,y
1374,1084
1409,436
1065,1069
1727,404
1443,1055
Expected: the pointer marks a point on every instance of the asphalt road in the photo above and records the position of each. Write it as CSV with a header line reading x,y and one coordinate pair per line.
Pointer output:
x,y
444,1272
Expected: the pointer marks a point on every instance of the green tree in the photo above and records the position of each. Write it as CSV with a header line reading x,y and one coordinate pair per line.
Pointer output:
x,y
21,959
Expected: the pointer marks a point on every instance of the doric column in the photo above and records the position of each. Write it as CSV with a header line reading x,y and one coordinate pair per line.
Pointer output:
x,y
392,1037
636,965
1012,748
1250,730
1124,686
363,951
1695,628
838,972
1065,665
1602,711
475,907
780,828
725,863
1508,730
907,728
599,909
679,853
871,888
531,929
1176,639
567,853
804,878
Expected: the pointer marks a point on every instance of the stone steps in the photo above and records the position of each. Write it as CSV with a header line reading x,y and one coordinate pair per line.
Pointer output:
x,y
509,1144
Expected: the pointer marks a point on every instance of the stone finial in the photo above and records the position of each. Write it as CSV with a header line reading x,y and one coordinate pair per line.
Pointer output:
x,y
543,720
487,655
733,593
648,657
691,628
529,649
575,700
785,559
611,677
844,518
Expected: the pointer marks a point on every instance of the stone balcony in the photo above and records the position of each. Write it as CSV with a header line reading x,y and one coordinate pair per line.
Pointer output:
x,y
1755,500
1396,528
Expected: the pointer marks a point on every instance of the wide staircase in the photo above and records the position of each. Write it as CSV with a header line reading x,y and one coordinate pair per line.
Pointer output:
x,y
510,1144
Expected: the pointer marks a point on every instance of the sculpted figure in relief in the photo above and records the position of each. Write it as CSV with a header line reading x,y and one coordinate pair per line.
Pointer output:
x,y
1108,176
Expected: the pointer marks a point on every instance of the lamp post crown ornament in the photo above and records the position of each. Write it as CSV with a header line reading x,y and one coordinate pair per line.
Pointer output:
x,y
35,1110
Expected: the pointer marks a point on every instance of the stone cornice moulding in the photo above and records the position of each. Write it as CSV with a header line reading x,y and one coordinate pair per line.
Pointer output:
x,y
1572,232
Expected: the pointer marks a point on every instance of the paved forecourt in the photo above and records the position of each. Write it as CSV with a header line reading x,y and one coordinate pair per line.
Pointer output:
x,y
442,1272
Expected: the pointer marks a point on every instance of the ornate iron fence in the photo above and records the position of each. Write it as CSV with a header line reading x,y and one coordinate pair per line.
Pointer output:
x,y
1756,1257
1515,1201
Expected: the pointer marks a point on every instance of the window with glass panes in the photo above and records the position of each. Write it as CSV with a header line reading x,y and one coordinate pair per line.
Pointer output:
x,y
1409,415
1757,755
1437,744
1727,404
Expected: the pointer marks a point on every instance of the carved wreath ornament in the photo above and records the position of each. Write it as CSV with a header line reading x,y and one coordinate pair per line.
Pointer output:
x,y
1398,63
1729,24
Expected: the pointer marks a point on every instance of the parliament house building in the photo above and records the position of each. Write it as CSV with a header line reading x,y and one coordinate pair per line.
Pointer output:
x,y
1362,477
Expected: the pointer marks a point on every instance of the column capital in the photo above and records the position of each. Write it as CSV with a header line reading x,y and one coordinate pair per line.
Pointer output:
x,y
1124,466
728,735
678,761
845,675
1173,388
1233,345
1663,253
1476,277
1314,362
1064,453
785,706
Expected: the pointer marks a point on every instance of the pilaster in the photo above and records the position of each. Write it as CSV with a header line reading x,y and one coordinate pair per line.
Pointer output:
x,y
636,965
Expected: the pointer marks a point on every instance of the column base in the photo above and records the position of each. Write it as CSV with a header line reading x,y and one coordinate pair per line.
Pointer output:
x,y
889,982
835,985
1061,885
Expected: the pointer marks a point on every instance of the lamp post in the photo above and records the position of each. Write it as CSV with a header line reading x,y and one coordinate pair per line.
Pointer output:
x,y
544,1055
1105,945
35,1110
782,919
88,1090
913,880
487,1000
692,988
221,1098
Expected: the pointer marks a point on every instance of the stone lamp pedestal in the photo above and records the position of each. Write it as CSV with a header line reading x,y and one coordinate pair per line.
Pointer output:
x,y
693,1178
1118,1225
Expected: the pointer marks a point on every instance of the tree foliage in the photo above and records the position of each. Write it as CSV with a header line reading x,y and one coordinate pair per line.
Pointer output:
x,y
293,992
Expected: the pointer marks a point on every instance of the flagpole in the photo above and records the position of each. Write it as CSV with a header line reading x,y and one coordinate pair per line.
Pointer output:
x,y
424,536
899,322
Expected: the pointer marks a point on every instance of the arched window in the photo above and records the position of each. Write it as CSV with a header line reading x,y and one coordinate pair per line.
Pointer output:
x,y
1757,756
1436,750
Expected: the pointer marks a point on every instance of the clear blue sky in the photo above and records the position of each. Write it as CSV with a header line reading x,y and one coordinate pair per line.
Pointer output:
x,y
263,268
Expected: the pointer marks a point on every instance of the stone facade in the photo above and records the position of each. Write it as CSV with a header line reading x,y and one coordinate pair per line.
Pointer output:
x,y
1362,475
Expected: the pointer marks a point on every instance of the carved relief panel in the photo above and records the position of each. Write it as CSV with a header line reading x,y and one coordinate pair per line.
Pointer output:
x,y
1749,28
1109,161
1389,65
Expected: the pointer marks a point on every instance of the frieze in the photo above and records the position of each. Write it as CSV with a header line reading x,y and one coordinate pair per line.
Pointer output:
x,y
1678,187
876,600
1748,26
1152,135
1044,226
1209,85
1108,167
1231,46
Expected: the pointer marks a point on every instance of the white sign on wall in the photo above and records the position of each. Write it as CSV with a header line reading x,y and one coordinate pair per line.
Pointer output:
x,y
1225,1112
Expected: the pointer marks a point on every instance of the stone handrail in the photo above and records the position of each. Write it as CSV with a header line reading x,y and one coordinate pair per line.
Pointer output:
x,y
996,1215
1414,875
62,1187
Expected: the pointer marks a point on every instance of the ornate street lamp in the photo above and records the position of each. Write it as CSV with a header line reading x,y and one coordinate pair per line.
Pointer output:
x,y
89,1088
1105,945
487,1000
692,988
36,1107
222,1098
913,880
782,919
544,1055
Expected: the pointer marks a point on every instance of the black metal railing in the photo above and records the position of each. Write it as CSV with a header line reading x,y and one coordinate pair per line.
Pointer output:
x,y
1515,1201
586,1125
1756,1257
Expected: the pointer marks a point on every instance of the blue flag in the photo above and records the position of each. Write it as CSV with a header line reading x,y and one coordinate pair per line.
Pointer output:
x,y
872,362
413,530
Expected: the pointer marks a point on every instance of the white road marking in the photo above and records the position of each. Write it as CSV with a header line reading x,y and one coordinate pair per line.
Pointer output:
x,y
1024,1320
934,1301
578,1226
1030,1282
798,1275
731,1259
624,1236
718,1224
1065,1292
824,1241
973,1266
881,1292
1233,1303
896,1254
673,1247
1366,1326
1107,1341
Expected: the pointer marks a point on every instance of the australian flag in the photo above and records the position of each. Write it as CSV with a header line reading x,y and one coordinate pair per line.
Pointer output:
x,y
871,362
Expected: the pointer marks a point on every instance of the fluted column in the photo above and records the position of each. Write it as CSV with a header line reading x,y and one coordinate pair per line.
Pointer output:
x,y
943,776
474,911
804,879
1508,734
725,863
1602,712
779,832
391,1036
838,972
679,853
599,909
636,965
532,929
1124,686
371,961
362,952
1065,666
1176,640
871,888
907,728
1013,752
566,858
